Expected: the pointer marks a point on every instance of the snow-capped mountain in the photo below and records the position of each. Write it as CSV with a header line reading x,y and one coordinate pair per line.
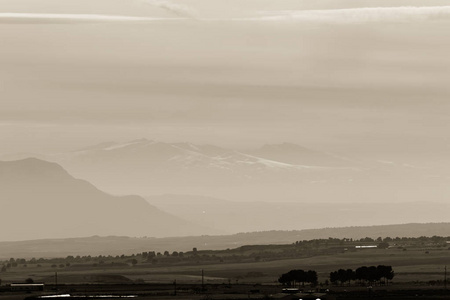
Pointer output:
x,y
297,155
190,155
150,167
283,172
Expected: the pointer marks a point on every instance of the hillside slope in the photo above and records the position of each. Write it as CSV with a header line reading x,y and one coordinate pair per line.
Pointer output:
x,y
39,199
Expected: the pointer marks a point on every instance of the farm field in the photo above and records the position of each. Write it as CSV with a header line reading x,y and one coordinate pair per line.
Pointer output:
x,y
248,272
413,265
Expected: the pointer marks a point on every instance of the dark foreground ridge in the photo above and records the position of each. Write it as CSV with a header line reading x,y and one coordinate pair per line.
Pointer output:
x,y
235,292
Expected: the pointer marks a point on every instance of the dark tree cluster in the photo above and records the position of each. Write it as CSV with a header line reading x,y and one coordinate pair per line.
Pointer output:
x,y
293,277
372,274
314,243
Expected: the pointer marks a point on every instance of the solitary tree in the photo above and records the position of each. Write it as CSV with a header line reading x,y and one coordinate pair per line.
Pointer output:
x,y
29,280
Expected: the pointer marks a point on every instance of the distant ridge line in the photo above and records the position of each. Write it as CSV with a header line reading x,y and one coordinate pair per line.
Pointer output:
x,y
235,234
117,245
346,227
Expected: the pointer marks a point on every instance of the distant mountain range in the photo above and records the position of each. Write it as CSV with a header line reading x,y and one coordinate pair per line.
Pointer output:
x,y
39,199
115,245
42,200
148,167
274,173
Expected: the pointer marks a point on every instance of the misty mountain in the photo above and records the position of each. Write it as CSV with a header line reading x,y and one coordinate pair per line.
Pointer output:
x,y
265,216
39,199
150,167
273,173
117,245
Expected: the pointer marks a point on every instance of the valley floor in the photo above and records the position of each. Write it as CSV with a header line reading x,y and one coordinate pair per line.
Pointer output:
x,y
419,274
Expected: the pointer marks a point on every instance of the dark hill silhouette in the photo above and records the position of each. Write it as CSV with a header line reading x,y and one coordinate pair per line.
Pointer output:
x,y
39,199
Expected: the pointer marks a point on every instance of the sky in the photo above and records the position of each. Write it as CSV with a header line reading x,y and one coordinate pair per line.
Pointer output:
x,y
364,78
364,82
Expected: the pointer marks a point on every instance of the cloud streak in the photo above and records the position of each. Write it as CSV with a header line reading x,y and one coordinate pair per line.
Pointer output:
x,y
349,16
77,17
178,9
358,15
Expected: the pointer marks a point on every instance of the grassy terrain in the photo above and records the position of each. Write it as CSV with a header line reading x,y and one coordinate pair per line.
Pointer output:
x,y
247,272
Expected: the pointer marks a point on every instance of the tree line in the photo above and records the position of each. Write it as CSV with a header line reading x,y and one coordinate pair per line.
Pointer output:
x,y
253,253
293,277
372,274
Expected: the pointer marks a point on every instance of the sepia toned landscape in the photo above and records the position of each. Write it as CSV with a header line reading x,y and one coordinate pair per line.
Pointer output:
x,y
212,149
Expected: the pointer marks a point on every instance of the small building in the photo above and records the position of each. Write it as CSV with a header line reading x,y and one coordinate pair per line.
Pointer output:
x,y
26,287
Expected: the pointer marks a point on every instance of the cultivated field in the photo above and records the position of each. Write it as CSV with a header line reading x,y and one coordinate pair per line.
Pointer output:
x,y
418,268
412,265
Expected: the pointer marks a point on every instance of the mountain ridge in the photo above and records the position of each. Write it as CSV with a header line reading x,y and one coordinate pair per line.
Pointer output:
x,y
153,167
273,172
41,193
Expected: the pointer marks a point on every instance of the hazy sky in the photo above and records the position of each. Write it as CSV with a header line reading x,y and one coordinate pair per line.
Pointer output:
x,y
346,76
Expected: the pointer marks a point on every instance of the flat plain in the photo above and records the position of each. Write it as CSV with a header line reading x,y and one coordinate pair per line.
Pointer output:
x,y
419,268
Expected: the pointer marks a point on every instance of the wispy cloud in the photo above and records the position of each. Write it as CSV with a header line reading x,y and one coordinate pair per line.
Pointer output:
x,y
178,9
352,15
76,17
359,15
